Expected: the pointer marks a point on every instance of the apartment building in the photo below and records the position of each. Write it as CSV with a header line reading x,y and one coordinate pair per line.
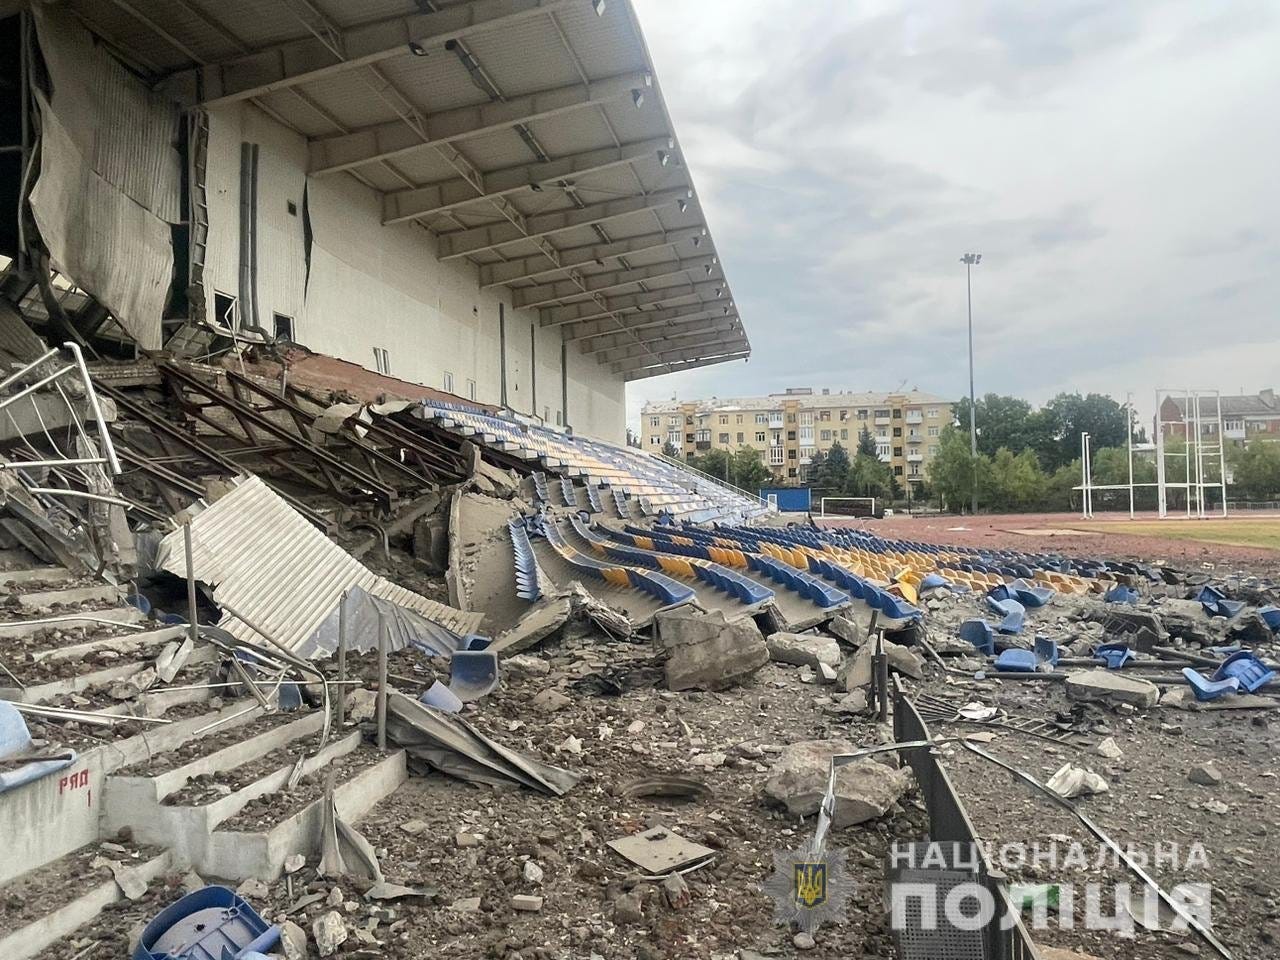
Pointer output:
x,y
789,429
1245,417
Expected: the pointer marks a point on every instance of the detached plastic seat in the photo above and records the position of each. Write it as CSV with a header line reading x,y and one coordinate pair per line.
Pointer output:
x,y
980,634
1012,611
1121,594
1249,671
1206,689
1271,617
1016,661
1114,655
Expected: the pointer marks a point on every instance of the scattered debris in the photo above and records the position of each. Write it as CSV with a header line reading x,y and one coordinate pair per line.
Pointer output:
x,y
660,850
707,652
864,790
1071,781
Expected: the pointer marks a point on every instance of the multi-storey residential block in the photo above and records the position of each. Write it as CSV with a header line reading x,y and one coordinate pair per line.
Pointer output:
x,y
789,429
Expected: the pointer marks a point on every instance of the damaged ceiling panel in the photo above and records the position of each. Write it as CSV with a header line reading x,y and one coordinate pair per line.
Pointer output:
x,y
267,563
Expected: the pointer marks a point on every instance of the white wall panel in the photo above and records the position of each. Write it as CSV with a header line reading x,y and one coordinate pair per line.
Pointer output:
x,y
375,286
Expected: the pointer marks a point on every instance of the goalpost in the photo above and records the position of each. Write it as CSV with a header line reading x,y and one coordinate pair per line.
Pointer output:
x,y
822,505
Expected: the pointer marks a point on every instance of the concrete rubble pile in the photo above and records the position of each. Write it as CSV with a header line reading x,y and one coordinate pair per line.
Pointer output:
x,y
433,708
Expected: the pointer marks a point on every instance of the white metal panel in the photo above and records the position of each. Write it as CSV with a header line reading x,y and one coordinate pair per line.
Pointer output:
x,y
525,57
269,563
603,44
109,245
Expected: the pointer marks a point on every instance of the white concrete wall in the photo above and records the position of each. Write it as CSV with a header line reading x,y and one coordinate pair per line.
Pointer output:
x,y
374,286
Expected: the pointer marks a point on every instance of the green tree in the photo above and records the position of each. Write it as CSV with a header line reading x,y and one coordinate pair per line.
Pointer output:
x,y
834,471
954,469
1014,481
669,449
866,442
748,470
1071,414
714,462
1256,470
868,477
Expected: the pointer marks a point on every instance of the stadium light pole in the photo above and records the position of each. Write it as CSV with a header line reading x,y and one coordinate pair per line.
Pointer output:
x,y
971,260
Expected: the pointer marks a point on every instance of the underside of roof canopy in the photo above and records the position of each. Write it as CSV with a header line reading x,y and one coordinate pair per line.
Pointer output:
x,y
528,136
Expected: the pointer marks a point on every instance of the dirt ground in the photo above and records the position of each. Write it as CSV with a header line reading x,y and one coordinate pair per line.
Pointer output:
x,y
1104,535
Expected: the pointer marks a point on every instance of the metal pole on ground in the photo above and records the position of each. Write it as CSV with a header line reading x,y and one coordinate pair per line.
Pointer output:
x,y
193,628
342,660
1128,412
382,682
970,260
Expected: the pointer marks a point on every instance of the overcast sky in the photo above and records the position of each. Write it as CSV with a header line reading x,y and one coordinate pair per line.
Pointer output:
x,y
1116,164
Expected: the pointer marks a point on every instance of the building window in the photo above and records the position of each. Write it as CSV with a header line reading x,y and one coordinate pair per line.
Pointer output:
x,y
806,419
824,415
759,436
448,382
791,454
844,415
897,451
688,438
897,431
739,419
826,435
791,434
673,438
724,438
882,451
882,414
791,472
897,413
283,326
653,441
933,431
775,456
673,421
933,413
688,421
862,414
382,360
933,449
559,418
914,471
897,471
762,418
844,433
655,421
741,437
471,391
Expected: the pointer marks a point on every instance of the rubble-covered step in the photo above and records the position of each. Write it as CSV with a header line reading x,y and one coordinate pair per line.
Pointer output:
x,y
122,720
183,820
228,735
104,686
88,615
54,901
256,841
40,666
36,575
71,596
100,643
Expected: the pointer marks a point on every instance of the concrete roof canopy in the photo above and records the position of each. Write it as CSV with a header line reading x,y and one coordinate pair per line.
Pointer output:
x,y
530,137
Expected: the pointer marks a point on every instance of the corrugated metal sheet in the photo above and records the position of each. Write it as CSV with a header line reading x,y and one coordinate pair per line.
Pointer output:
x,y
265,560
97,236
123,131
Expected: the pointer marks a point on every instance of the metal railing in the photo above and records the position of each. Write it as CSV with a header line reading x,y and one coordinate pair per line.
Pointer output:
x,y
1007,936
716,480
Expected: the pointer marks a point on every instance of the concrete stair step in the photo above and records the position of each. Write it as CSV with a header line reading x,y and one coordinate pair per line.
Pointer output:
x,y
96,679
45,598
256,842
60,897
136,802
122,643
23,628
42,574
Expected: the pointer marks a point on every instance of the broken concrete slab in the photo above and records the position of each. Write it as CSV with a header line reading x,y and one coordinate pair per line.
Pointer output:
x,y
537,623
856,672
1111,687
707,652
803,650
848,630
865,789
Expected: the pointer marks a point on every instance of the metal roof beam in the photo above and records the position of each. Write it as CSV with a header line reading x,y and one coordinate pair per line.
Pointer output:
x,y
714,347
438,198
677,366
386,141
692,338
585,329
548,293
531,268
462,243
658,332
310,58
569,313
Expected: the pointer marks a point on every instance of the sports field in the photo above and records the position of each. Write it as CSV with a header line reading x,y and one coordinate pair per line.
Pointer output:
x,y
1241,532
